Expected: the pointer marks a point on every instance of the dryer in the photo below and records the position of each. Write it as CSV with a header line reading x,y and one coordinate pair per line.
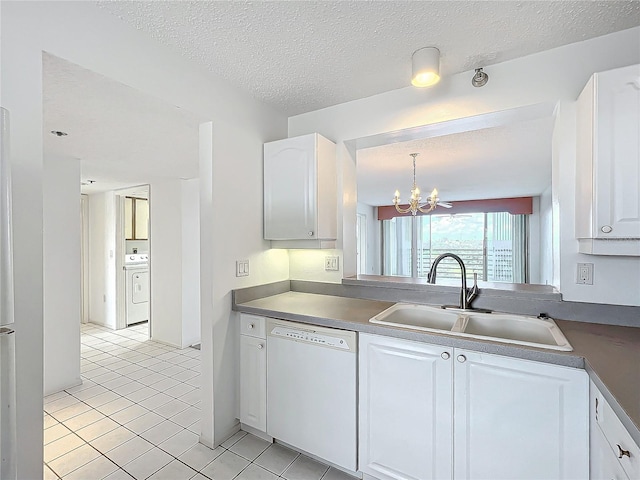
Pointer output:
x,y
136,268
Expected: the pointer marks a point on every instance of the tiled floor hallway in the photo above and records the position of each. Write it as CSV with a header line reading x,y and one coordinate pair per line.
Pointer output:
x,y
137,415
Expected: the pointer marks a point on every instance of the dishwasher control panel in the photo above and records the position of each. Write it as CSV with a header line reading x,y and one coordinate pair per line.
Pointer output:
x,y
310,337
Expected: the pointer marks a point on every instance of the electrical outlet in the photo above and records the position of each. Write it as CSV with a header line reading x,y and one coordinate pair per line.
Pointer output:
x,y
332,263
585,274
242,268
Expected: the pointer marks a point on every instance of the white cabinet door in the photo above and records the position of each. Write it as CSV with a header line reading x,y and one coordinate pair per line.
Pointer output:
x,y
405,409
516,419
604,463
617,168
300,189
290,189
608,163
253,382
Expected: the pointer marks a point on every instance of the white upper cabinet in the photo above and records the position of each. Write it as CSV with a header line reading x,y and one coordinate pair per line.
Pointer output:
x,y
608,163
300,189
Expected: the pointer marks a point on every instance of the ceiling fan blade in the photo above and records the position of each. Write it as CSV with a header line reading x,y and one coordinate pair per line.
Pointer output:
x,y
444,204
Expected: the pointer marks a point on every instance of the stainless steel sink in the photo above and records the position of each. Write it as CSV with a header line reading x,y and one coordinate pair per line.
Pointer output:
x,y
509,328
420,317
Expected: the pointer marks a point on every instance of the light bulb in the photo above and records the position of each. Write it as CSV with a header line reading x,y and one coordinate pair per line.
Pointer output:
x,y
425,79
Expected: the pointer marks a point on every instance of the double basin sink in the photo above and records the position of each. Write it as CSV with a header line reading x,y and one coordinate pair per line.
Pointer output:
x,y
502,327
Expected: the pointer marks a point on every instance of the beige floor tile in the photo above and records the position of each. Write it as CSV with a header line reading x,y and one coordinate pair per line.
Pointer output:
x,y
304,468
276,458
129,451
233,439
115,406
119,474
60,403
148,463
95,470
254,472
71,411
145,422
187,417
174,471
61,446
199,456
161,432
250,447
75,459
179,443
54,433
49,474
97,429
225,467
83,420
112,439
129,413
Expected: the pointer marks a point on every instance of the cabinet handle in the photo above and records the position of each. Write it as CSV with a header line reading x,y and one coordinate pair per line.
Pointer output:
x,y
623,453
606,229
260,346
250,326
310,233
462,358
445,355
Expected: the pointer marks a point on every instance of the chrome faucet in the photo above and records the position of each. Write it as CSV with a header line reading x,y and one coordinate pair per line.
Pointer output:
x,y
466,295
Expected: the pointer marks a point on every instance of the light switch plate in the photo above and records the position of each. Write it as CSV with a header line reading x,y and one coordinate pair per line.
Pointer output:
x,y
242,268
332,263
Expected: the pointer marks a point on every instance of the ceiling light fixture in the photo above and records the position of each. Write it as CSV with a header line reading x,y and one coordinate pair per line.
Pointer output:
x,y
425,63
480,78
414,202
58,133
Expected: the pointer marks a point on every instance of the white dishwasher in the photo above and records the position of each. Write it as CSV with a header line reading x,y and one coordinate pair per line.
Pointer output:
x,y
311,390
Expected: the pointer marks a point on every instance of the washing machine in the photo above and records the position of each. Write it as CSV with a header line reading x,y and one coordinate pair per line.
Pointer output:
x,y
136,268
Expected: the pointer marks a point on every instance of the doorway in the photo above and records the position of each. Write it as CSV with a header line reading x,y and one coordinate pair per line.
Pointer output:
x,y
133,258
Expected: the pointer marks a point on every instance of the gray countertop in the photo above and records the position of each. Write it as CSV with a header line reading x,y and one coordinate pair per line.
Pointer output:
x,y
610,354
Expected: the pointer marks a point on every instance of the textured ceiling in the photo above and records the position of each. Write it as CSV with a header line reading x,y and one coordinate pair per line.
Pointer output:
x,y
121,136
300,56
501,162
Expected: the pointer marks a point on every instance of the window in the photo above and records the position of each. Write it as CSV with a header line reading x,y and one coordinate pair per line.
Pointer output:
x,y
136,218
493,245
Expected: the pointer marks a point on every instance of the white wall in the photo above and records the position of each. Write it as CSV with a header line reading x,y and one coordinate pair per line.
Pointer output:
x,y
82,33
165,204
236,234
535,259
102,261
546,237
551,76
190,262
61,190
374,231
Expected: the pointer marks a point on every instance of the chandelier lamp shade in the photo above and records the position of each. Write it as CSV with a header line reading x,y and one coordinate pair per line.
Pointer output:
x,y
415,200
425,63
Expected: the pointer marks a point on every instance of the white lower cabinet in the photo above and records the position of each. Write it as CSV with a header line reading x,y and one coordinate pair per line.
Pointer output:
x,y
405,409
433,412
614,453
518,419
253,378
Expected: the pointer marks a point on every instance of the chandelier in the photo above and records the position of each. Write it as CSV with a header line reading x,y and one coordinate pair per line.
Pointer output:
x,y
414,202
